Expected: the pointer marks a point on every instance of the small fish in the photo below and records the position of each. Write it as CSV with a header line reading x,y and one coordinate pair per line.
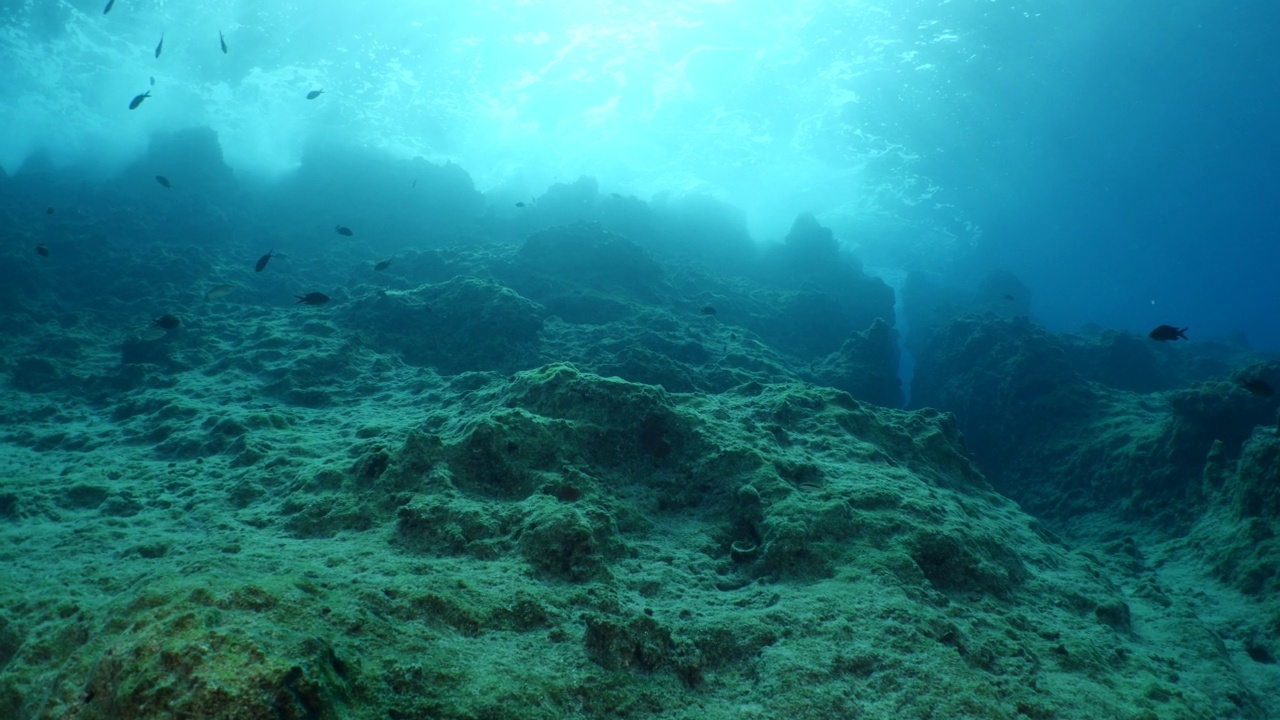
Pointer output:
x,y
223,42
382,265
42,250
137,100
1008,297
153,81
1165,333
519,204
107,9
166,322
49,211
1258,387
262,262
708,310
312,298
218,291
343,230
314,94
164,182
160,45
615,195
415,183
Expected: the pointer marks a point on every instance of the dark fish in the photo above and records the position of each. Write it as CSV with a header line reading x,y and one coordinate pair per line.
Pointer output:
x,y
708,310
1165,333
167,322
49,211
160,45
1258,387
343,230
615,195
519,204
262,262
164,182
223,42
1009,297
382,265
153,81
312,298
107,9
415,183
137,100
314,94
42,251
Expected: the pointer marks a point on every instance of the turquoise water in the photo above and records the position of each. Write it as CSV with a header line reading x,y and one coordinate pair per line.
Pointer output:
x,y
1114,157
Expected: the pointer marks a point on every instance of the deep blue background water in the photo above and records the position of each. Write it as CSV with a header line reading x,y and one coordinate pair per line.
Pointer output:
x,y
1137,181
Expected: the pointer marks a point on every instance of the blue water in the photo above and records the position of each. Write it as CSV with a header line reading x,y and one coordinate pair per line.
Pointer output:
x,y
1118,158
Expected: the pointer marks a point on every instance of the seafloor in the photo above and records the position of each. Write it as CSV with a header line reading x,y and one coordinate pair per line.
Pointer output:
x,y
591,457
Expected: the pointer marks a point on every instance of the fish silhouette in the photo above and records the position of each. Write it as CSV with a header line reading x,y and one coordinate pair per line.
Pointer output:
x,y
1165,333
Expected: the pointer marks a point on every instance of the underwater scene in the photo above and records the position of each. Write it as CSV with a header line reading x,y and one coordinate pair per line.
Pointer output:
x,y
693,360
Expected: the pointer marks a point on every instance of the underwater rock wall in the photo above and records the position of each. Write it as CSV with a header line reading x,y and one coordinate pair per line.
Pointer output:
x,y
1056,438
1062,442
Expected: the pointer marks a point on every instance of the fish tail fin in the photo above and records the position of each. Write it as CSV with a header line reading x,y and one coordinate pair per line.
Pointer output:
x,y
1182,333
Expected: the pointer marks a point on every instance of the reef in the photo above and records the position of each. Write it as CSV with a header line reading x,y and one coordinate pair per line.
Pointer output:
x,y
1190,469
587,457
563,544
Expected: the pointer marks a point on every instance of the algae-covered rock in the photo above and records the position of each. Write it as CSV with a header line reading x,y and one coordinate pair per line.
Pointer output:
x,y
1059,434
825,295
866,366
584,255
1061,443
551,543
558,544
207,660
1242,535
463,324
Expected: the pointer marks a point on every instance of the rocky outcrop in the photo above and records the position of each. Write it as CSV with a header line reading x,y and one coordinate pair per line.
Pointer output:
x,y
656,545
1061,442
